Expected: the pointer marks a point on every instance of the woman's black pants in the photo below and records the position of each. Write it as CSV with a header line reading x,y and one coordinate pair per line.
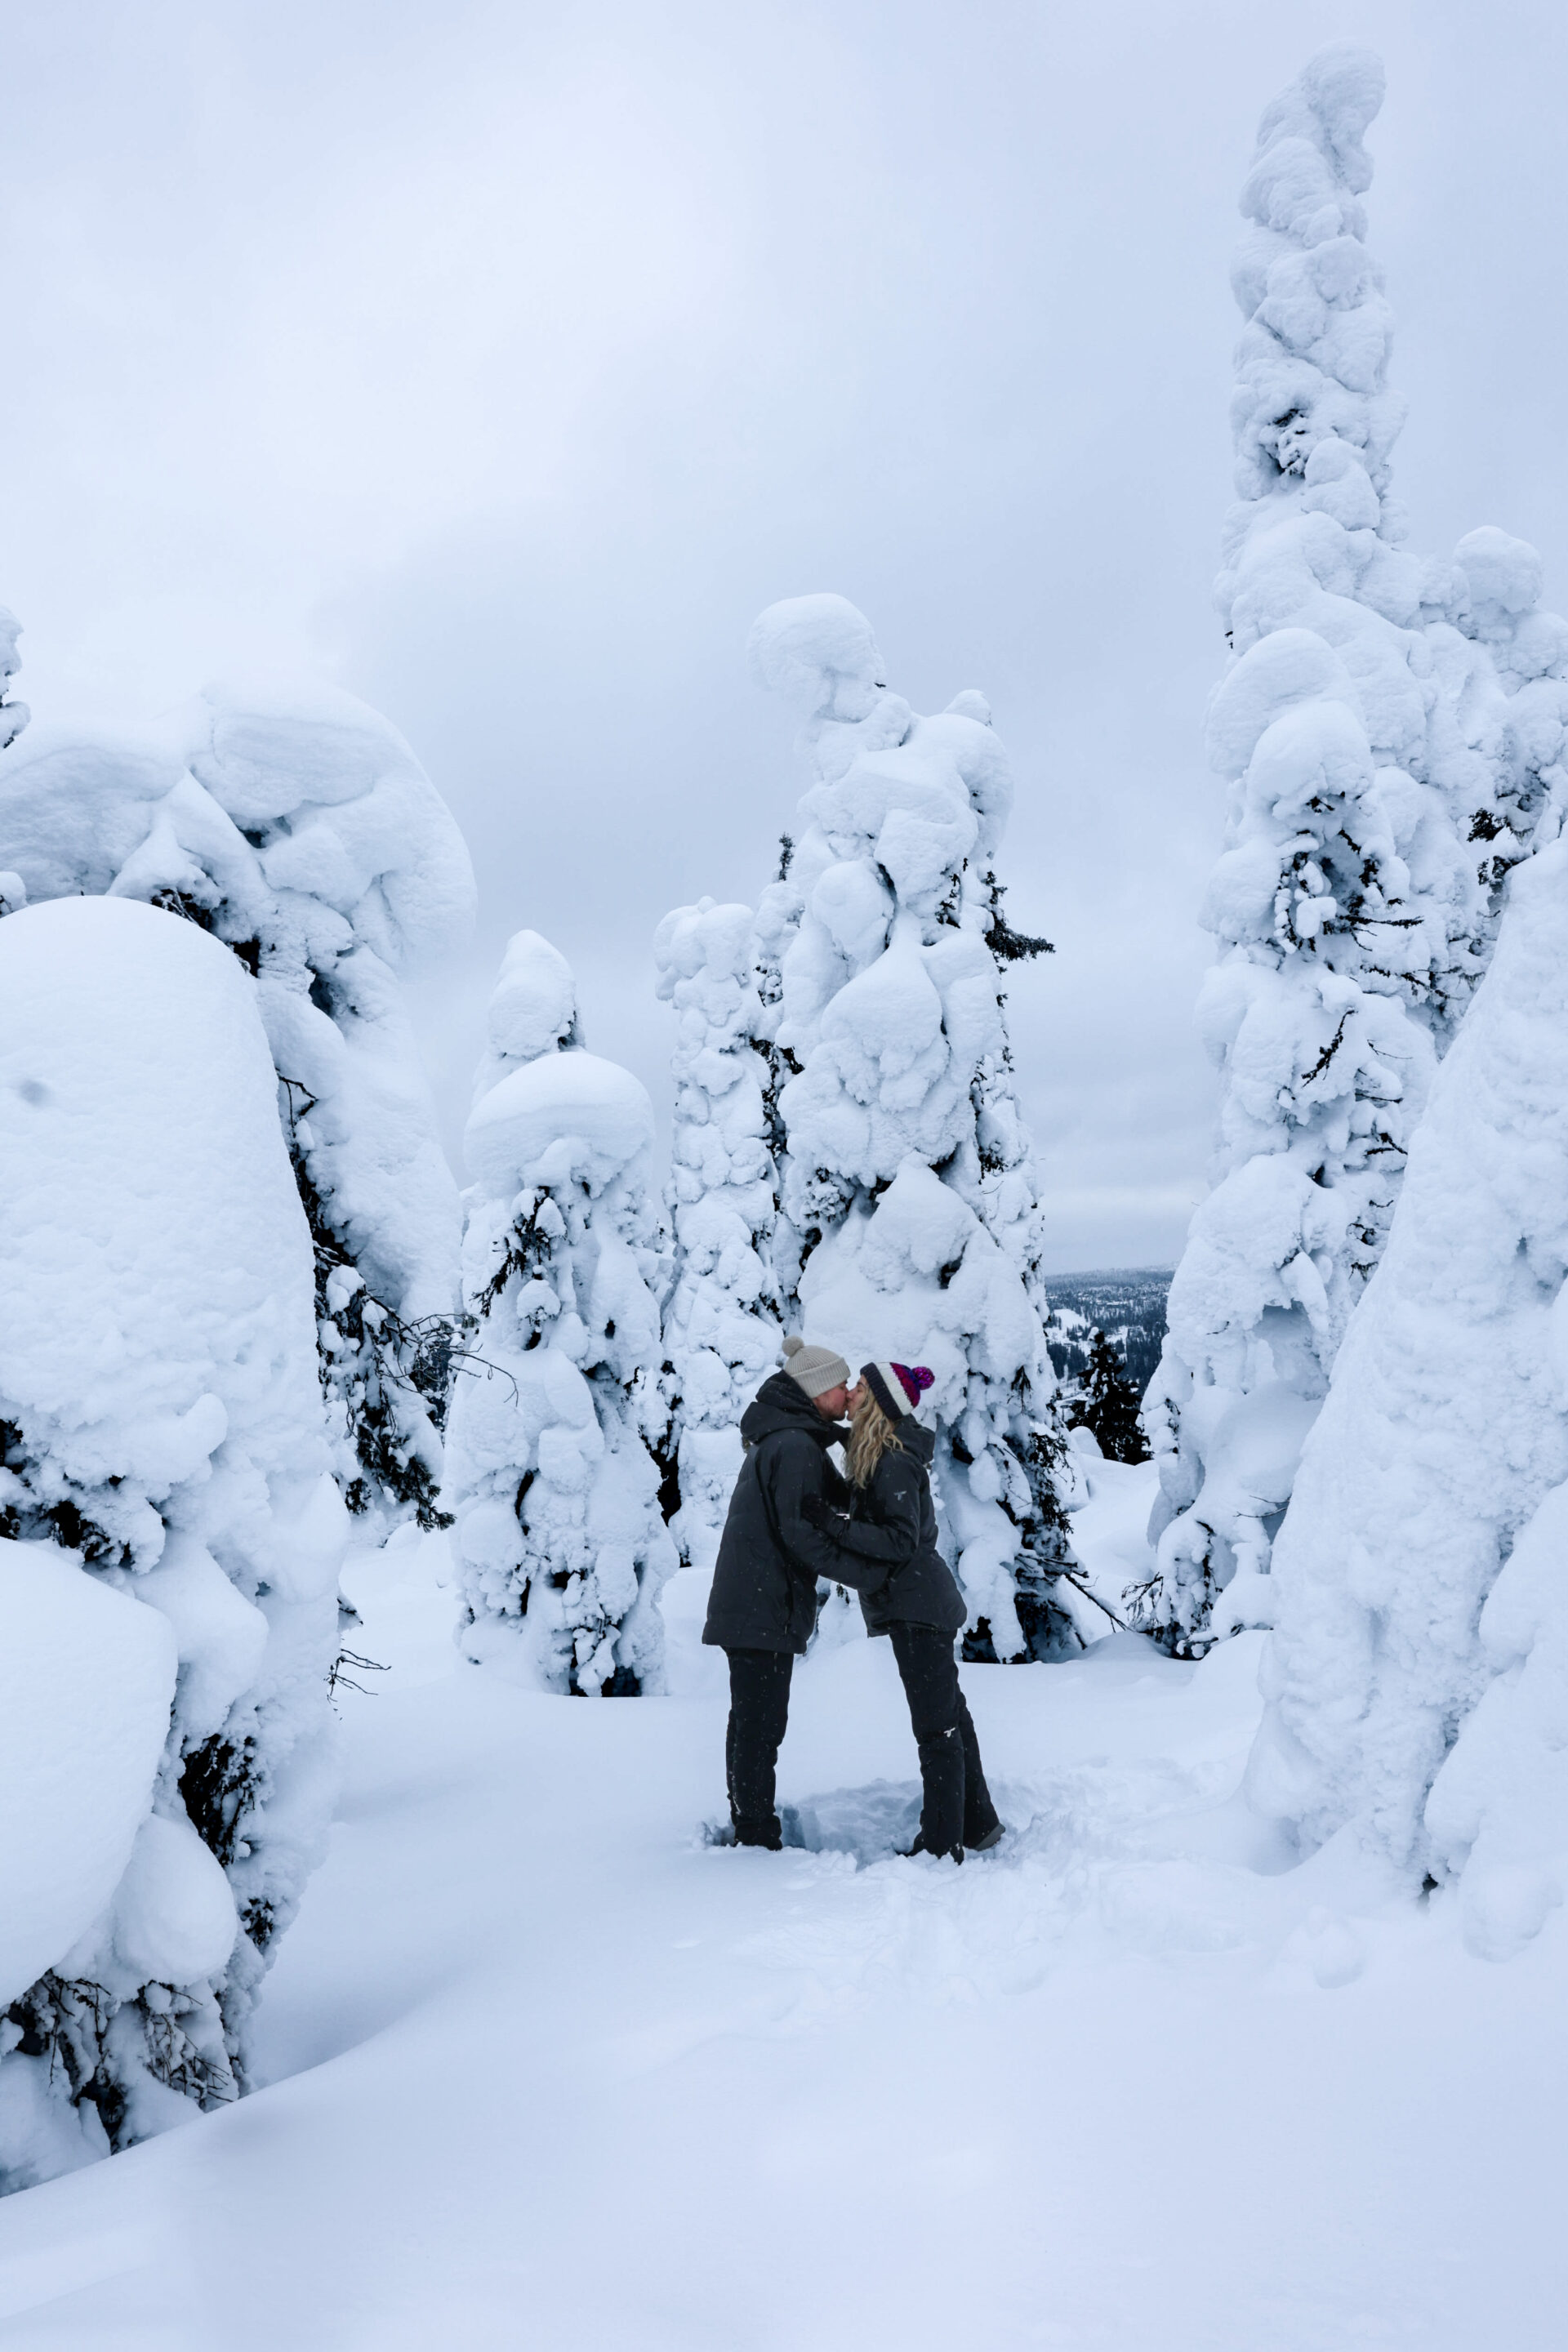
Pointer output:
x,y
759,1711
957,1808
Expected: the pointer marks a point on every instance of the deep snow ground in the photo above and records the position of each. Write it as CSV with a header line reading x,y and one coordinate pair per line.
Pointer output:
x,y
547,2072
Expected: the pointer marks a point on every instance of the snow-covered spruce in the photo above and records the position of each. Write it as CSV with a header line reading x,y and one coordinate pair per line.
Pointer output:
x,y
168,1577
14,715
909,1217
1382,780
296,826
1502,664
1445,1431
560,1539
722,1324
1109,1405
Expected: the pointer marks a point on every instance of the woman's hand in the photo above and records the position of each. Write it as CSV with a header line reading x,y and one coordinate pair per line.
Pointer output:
x,y
822,1516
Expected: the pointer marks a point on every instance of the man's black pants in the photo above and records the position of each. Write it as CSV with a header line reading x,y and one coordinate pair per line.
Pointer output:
x,y
759,1711
957,1809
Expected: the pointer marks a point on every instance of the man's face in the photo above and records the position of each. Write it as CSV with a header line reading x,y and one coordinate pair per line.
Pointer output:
x,y
833,1403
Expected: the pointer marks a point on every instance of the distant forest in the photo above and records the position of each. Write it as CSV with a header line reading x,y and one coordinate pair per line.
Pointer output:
x,y
1127,1304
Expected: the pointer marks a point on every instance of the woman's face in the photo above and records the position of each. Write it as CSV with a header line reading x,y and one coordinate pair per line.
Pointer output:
x,y
854,1395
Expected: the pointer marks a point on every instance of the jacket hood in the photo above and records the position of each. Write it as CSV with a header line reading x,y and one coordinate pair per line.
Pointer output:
x,y
783,1403
916,1439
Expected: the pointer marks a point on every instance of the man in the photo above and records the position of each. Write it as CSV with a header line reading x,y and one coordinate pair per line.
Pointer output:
x,y
762,1606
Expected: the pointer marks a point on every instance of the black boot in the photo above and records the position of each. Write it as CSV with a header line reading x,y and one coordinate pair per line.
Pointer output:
x,y
948,1853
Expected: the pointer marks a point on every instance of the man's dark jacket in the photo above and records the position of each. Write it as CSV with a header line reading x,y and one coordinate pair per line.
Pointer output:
x,y
892,1528
770,1555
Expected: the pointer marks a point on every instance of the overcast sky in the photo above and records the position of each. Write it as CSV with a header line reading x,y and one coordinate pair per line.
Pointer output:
x,y
502,362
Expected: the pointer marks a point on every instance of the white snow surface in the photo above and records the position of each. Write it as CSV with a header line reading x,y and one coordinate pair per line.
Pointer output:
x,y
1446,1428
86,1681
560,2074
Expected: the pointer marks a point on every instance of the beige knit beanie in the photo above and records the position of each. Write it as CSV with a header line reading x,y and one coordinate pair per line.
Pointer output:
x,y
816,1370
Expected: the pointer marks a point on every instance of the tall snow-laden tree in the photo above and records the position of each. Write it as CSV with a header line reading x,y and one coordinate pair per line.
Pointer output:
x,y
172,1531
1444,1435
722,1325
1379,784
296,826
909,1216
561,1543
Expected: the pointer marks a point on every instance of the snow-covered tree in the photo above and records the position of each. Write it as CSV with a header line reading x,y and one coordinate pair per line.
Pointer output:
x,y
1503,667
909,1217
172,1531
721,1325
296,826
13,715
1444,1435
560,1539
1380,781
1109,1405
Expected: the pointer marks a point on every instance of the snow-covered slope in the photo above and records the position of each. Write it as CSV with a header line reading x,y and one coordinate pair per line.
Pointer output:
x,y
555,2074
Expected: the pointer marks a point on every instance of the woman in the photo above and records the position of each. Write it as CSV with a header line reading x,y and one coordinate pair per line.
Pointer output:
x,y
892,1521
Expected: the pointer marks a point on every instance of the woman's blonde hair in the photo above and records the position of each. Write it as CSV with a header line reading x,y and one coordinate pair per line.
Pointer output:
x,y
871,1433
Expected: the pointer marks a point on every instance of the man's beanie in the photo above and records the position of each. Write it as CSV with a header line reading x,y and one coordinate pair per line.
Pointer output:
x,y
897,1388
816,1370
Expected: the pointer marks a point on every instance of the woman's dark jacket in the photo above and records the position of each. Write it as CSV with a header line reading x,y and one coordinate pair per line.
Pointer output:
x,y
892,1527
770,1555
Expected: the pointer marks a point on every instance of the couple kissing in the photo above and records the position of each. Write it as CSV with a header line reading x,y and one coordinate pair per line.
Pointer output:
x,y
792,1520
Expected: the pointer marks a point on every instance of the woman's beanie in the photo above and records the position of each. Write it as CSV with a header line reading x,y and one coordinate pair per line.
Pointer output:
x,y
816,1370
897,1388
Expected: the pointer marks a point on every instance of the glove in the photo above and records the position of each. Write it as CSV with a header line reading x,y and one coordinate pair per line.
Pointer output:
x,y
822,1515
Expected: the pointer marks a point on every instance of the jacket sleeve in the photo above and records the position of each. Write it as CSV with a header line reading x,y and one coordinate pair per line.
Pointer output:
x,y
795,1474
893,1537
